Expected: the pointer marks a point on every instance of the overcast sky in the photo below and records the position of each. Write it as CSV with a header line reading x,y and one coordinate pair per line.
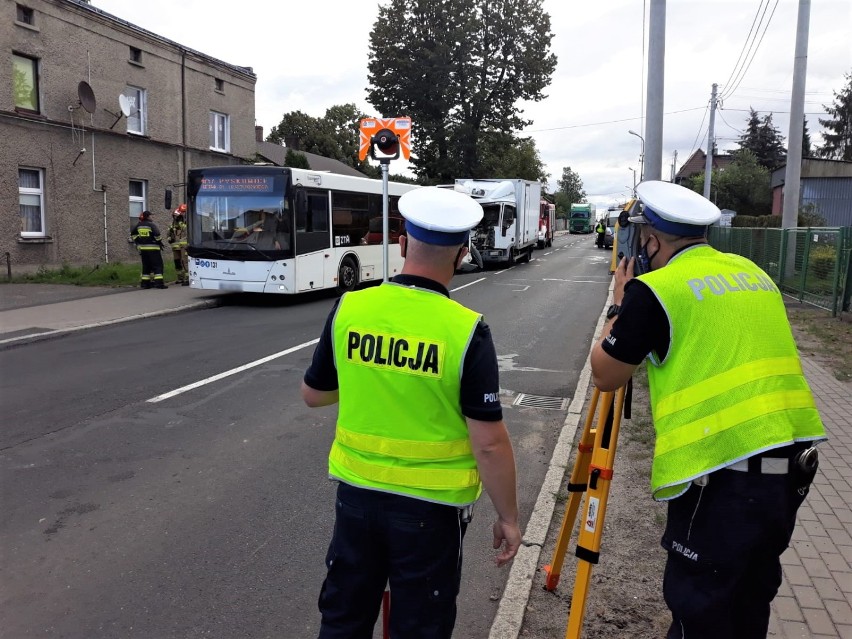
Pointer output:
x,y
310,55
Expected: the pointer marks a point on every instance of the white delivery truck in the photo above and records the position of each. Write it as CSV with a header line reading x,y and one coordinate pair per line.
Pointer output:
x,y
508,231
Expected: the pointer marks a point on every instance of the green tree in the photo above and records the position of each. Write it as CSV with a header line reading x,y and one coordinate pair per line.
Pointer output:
x,y
504,155
806,139
742,187
296,160
569,190
764,140
459,69
335,135
837,130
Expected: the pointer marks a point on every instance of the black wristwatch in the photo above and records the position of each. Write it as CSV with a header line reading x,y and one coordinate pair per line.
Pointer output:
x,y
612,311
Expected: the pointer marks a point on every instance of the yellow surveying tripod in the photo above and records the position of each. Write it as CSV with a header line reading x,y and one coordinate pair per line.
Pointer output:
x,y
592,475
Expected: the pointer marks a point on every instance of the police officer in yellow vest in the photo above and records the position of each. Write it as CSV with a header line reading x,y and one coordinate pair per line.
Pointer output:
x,y
420,432
735,420
600,229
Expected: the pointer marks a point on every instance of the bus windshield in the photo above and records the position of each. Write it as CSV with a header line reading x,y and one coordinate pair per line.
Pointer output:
x,y
241,216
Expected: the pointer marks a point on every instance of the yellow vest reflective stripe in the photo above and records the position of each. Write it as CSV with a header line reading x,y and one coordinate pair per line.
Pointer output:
x,y
402,447
727,381
399,353
423,479
706,419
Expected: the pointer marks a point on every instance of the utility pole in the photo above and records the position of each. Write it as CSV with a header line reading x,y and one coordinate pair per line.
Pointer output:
x,y
653,168
711,143
793,174
674,165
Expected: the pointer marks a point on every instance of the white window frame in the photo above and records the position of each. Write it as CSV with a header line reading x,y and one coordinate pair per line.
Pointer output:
x,y
31,191
135,199
140,95
215,119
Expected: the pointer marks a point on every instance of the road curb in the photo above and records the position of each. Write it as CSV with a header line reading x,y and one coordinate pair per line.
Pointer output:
x,y
37,337
510,613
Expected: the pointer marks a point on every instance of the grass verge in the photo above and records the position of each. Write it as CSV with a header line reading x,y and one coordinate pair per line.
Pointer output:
x,y
117,274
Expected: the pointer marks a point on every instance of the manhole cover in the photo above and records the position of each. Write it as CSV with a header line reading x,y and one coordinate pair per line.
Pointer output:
x,y
541,401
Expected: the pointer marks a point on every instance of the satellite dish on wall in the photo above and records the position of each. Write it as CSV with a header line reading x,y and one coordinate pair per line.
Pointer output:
x,y
124,105
86,96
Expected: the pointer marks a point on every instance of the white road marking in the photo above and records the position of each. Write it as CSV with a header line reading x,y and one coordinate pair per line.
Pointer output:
x,y
504,270
458,288
233,371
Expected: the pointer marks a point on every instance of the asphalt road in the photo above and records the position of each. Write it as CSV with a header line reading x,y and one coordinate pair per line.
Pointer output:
x,y
208,513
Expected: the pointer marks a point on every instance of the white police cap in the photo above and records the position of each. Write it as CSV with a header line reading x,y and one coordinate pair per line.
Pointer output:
x,y
675,209
439,216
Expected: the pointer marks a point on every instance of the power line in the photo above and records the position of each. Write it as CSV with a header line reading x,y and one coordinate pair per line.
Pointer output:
x,y
578,126
768,111
726,122
740,57
700,129
748,66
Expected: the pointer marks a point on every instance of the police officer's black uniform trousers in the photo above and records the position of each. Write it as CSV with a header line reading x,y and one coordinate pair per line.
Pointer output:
x,y
379,538
725,540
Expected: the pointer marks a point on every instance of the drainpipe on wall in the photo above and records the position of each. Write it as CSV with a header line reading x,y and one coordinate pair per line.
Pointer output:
x,y
103,188
182,176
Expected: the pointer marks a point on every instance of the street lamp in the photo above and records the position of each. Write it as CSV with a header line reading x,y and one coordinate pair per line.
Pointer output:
x,y
641,155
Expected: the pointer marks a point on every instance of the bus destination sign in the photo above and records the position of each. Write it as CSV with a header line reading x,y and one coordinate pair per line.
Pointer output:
x,y
237,184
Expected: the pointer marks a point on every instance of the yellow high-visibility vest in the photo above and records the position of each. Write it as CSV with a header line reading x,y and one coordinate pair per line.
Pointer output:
x,y
731,383
399,353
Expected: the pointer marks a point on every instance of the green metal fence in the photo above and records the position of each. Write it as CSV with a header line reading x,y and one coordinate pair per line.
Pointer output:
x,y
814,265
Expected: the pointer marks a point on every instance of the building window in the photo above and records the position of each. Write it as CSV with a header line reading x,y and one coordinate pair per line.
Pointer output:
x,y
138,198
136,99
31,201
220,132
220,85
25,15
135,55
25,82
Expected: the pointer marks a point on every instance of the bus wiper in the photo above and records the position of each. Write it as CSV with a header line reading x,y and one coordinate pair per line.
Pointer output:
x,y
262,254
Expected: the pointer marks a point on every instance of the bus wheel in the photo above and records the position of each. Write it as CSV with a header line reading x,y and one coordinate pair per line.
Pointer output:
x,y
347,276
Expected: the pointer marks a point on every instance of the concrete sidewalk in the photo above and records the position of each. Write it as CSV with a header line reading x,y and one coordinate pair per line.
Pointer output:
x,y
38,311
815,599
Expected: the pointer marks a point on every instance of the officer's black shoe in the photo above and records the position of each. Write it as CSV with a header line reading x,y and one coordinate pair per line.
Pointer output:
x,y
144,284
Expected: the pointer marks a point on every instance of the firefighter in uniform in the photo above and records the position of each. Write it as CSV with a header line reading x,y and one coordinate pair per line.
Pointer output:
x,y
419,433
735,420
148,242
178,242
600,229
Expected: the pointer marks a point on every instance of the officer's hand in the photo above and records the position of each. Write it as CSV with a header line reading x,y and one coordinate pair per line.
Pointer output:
x,y
509,537
623,274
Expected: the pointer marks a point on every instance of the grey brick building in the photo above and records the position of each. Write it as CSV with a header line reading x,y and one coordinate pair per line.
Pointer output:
x,y
74,169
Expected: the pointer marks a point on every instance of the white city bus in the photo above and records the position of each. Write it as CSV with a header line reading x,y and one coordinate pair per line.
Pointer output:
x,y
269,229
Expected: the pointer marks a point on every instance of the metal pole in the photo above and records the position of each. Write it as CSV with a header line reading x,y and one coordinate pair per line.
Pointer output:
x,y
793,174
711,143
653,167
385,168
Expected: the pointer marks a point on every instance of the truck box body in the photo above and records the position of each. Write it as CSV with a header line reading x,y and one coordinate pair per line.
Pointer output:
x,y
509,227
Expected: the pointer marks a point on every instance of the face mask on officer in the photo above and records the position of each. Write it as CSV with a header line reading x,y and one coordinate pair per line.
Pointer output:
x,y
643,259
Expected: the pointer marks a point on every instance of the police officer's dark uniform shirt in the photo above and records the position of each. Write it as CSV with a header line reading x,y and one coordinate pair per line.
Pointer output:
x,y
642,326
480,385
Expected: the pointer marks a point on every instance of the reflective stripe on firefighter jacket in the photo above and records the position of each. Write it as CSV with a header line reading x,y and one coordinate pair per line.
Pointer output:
x,y
399,353
177,235
722,394
146,235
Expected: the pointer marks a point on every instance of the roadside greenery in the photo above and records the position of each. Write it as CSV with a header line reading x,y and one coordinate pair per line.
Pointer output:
x,y
98,275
